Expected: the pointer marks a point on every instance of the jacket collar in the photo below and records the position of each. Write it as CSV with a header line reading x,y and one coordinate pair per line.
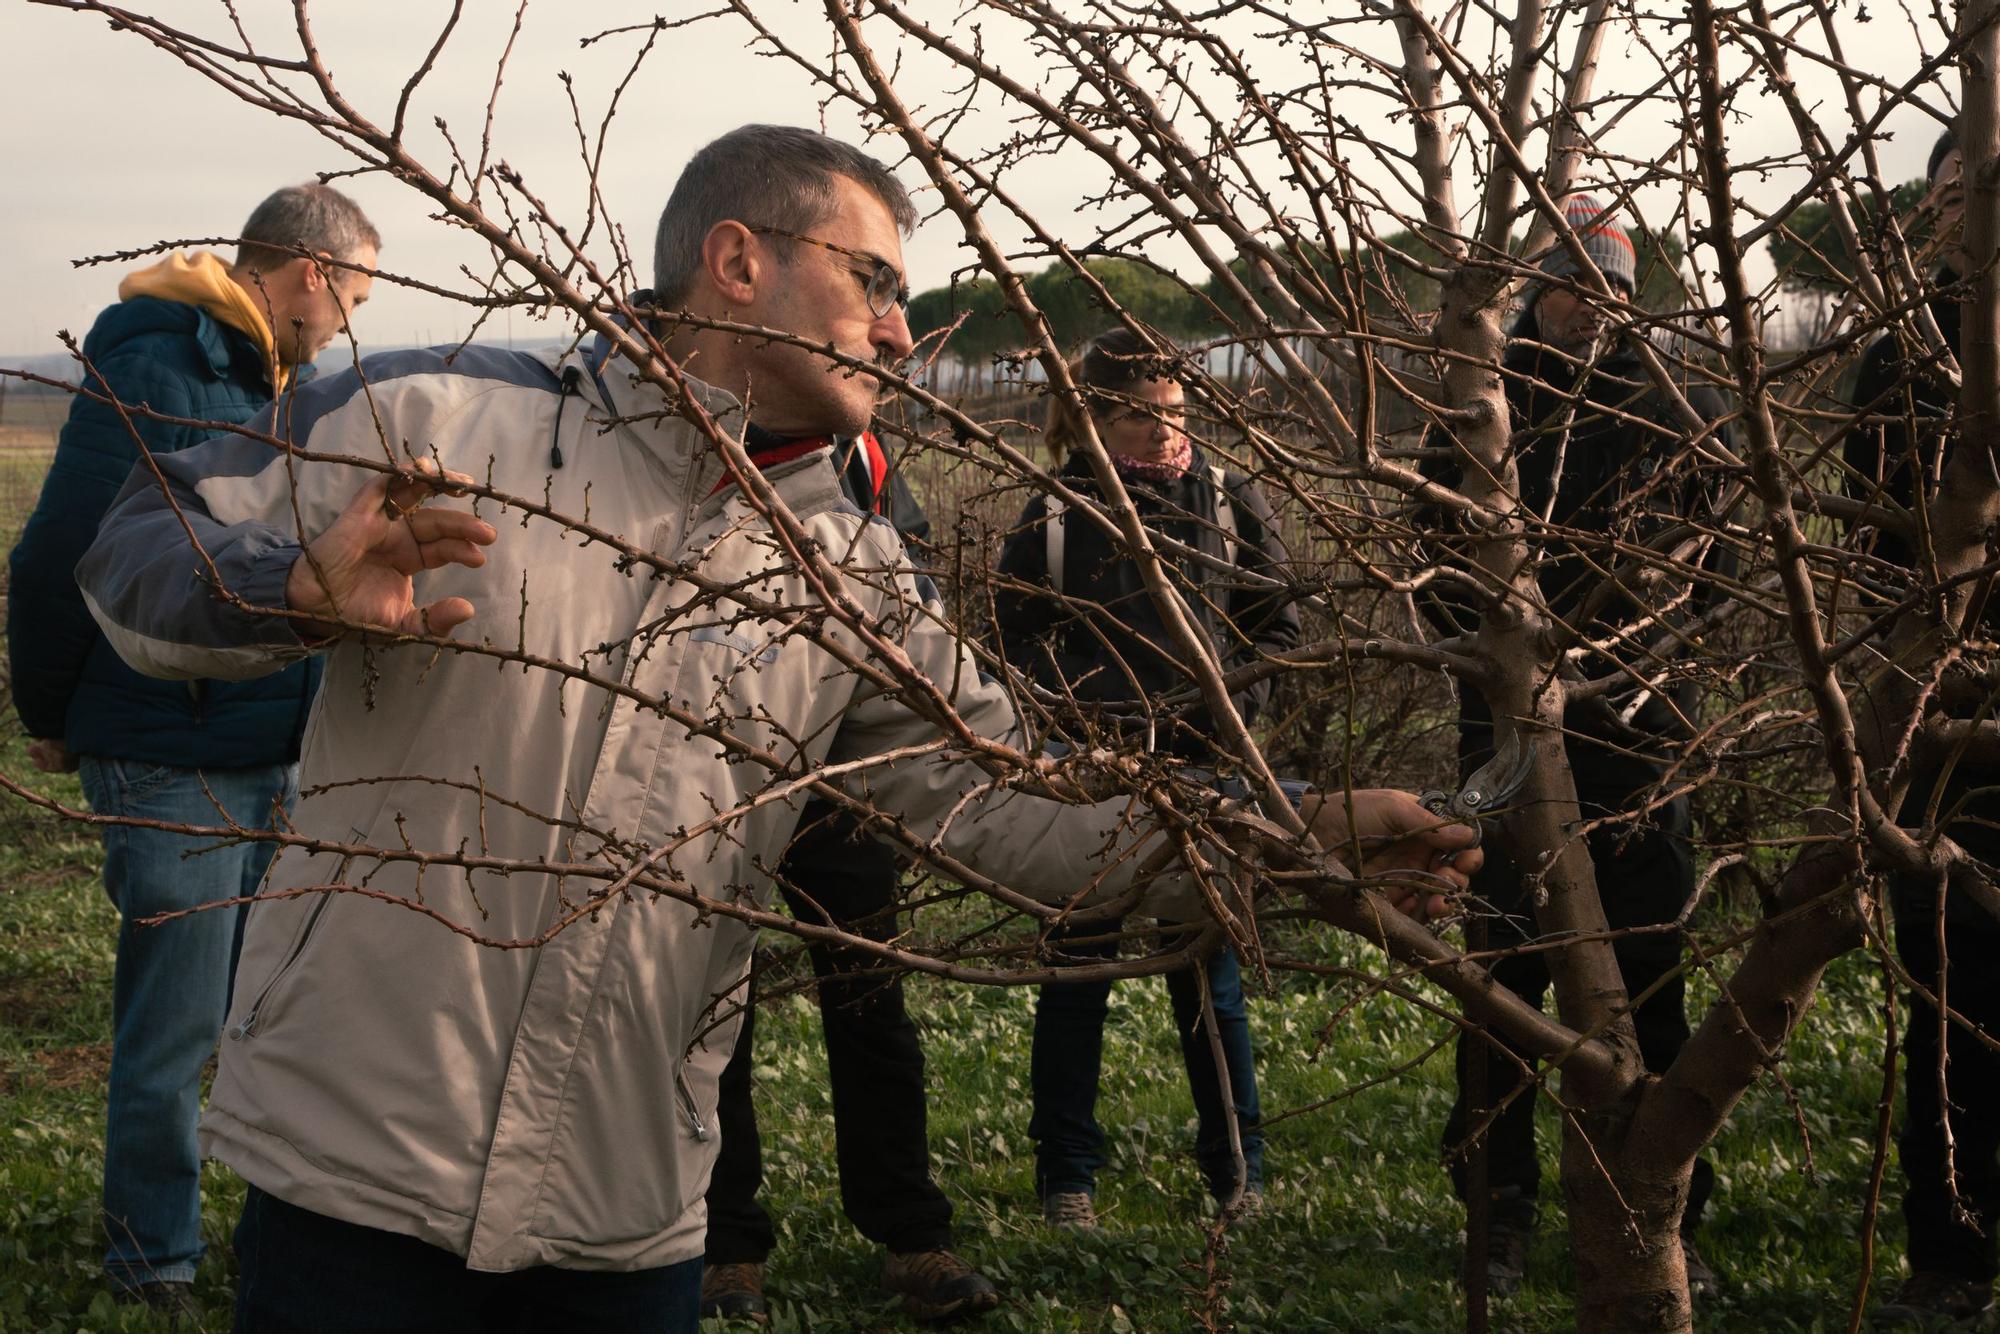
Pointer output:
x,y
221,345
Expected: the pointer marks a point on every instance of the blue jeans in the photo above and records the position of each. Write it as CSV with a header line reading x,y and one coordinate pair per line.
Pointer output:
x,y
170,992
305,1273
1069,1052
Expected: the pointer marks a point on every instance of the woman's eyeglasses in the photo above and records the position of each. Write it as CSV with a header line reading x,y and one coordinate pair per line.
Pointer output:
x,y
882,285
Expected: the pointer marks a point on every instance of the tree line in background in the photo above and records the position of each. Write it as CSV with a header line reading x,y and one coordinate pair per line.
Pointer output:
x,y
967,323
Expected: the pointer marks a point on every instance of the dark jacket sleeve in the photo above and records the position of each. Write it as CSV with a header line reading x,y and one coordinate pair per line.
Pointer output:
x,y
49,630
1878,452
1022,619
1885,459
1267,618
1443,604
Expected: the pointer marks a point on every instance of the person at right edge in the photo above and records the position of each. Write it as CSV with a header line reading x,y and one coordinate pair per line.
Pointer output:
x,y
1074,614
1951,1253
1600,451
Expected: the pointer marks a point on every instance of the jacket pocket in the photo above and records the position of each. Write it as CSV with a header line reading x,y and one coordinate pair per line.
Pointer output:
x,y
260,1009
127,782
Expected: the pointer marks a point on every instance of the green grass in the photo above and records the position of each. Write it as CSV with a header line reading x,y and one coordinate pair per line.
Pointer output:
x,y
1360,1233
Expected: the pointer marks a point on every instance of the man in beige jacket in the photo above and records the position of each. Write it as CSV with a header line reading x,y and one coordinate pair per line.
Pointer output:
x,y
439,1133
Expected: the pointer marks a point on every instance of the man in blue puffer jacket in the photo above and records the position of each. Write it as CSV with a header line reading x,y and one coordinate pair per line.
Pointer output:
x,y
208,344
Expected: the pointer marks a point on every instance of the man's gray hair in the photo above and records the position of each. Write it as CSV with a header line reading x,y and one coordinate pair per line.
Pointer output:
x,y
312,217
776,176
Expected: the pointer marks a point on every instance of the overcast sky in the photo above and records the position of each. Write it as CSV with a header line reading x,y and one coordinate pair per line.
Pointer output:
x,y
111,145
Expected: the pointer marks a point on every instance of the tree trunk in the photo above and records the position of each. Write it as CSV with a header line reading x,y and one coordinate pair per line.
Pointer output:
x,y
1624,1231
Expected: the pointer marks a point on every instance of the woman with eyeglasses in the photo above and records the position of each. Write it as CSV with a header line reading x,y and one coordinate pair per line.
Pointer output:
x,y
1073,614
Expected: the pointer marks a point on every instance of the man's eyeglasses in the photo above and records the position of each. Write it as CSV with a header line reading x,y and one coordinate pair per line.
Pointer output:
x,y
882,284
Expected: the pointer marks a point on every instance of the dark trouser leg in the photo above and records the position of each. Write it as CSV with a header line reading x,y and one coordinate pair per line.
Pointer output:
x,y
1645,878
305,1273
875,1059
1067,1058
739,1231
1663,1030
1940,1241
1513,1171
1225,982
666,1300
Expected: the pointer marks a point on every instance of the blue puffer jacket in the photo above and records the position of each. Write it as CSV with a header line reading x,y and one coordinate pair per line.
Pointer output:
x,y
68,683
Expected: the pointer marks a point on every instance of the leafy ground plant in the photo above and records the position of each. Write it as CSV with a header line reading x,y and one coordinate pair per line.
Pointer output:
x,y
1361,1233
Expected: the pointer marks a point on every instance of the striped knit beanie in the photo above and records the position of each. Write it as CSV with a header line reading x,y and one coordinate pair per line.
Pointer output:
x,y
1602,239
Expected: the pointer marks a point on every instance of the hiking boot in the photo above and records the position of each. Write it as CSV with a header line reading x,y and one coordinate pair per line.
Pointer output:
x,y
1242,1207
937,1285
1069,1209
1507,1242
1930,1300
734,1292
1701,1278
163,1297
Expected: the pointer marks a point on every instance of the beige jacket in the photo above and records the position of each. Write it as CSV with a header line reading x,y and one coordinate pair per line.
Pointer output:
x,y
545,1105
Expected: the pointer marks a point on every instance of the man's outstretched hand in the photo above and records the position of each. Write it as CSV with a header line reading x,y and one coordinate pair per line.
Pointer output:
x,y
1394,833
357,572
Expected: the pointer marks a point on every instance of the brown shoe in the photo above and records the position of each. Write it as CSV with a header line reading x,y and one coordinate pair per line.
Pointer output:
x,y
1071,1209
163,1297
1507,1242
937,1285
1700,1275
1930,1300
734,1292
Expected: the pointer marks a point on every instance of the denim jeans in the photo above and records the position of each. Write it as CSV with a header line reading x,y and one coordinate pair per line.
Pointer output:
x,y
305,1273
170,992
1069,1053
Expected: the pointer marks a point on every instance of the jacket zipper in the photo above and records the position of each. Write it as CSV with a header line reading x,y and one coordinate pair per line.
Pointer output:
x,y
693,1112
247,1025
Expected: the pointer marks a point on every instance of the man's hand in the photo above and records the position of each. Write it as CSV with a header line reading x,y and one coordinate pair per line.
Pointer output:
x,y
1394,833
51,756
357,572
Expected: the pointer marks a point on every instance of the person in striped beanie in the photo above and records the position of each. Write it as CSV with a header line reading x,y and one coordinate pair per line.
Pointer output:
x,y
1602,457
1569,321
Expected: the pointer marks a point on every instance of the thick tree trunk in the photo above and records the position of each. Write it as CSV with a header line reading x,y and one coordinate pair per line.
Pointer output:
x,y
1624,1230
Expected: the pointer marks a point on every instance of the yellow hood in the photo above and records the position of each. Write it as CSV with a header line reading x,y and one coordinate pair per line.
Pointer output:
x,y
203,280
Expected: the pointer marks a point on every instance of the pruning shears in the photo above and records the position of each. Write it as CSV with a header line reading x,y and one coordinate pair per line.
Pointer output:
x,y
1488,788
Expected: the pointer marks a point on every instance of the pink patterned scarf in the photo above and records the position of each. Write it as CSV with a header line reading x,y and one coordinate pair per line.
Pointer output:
x,y
1157,470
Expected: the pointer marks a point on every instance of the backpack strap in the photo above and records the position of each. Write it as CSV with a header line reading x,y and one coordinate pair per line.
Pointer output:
x,y
1052,540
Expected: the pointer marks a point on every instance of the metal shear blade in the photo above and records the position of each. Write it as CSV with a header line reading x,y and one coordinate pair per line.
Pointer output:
x,y
1488,788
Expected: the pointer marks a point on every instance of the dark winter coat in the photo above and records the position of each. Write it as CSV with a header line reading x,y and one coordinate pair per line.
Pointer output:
x,y
1883,453
1118,661
68,683
1614,458
1899,454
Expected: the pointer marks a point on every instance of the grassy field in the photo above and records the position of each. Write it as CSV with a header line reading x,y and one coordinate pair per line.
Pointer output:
x,y
1361,1233
30,416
